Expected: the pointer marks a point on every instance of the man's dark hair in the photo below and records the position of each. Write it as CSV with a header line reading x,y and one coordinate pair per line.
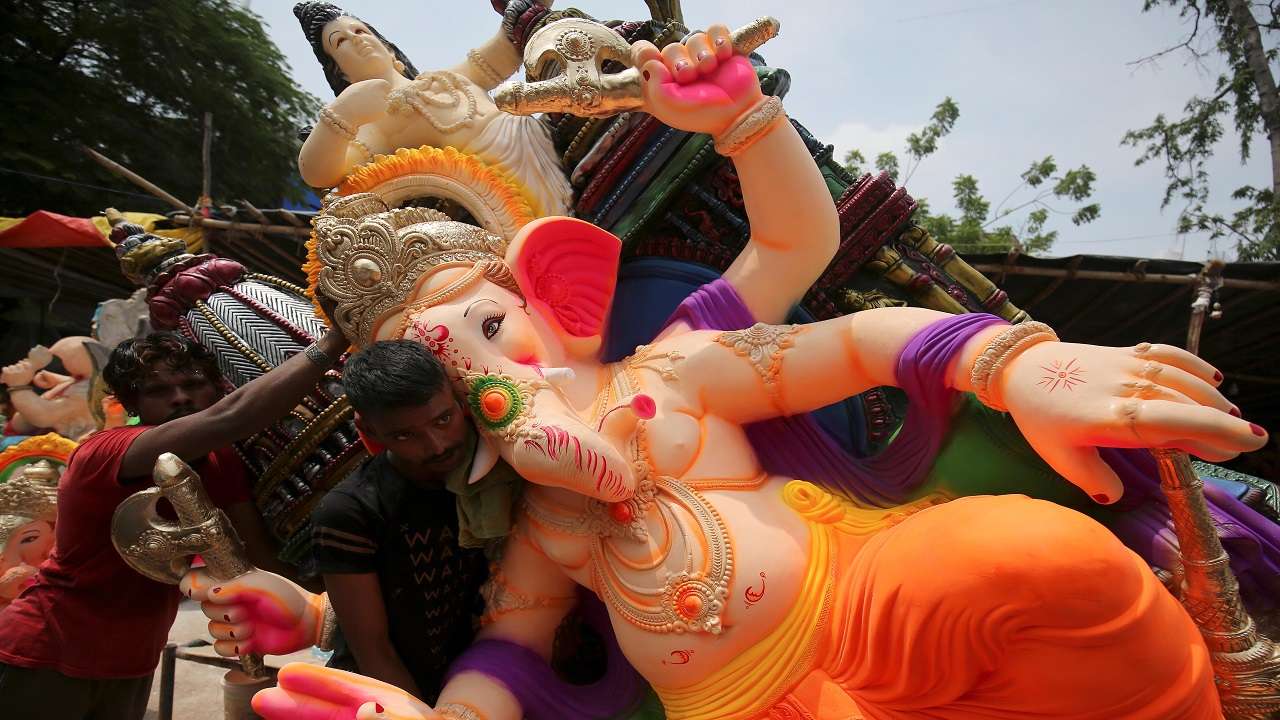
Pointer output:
x,y
392,374
134,358
313,16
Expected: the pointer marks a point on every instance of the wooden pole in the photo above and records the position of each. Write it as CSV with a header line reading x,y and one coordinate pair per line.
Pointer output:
x,y
243,227
1156,278
135,178
206,164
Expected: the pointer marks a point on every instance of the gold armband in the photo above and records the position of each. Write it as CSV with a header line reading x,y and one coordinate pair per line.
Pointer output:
x,y
486,69
999,352
343,128
328,624
750,126
500,598
458,711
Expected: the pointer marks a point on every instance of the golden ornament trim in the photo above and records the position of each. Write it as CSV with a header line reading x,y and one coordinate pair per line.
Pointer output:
x,y
750,127
998,353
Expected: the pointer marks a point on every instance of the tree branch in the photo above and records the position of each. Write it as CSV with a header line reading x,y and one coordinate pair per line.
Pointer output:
x,y
1185,44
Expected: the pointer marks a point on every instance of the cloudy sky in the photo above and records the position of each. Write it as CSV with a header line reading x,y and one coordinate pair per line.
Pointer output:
x,y
1031,77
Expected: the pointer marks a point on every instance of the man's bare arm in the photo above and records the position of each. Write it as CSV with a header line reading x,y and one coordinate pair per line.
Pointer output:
x,y
242,413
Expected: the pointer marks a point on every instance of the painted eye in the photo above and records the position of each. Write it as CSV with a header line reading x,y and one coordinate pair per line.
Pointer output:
x,y
444,419
492,324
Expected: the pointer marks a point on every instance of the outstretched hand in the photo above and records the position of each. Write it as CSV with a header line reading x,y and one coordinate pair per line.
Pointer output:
x,y
699,86
1069,399
307,692
258,613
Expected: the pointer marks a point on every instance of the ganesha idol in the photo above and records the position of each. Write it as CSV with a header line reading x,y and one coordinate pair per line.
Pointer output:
x,y
734,589
63,404
29,473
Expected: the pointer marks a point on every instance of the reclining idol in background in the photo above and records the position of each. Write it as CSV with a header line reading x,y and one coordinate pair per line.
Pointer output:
x,y
743,577
63,405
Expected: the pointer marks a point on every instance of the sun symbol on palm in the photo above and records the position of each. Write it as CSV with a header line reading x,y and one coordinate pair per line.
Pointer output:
x,y
1059,375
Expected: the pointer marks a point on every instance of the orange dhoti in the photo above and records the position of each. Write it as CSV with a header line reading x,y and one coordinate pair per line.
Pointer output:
x,y
983,607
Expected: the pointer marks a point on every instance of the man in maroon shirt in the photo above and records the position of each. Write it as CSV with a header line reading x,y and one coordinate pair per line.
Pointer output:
x,y
83,641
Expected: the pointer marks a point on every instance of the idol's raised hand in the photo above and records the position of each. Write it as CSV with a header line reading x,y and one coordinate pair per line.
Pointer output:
x,y
307,692
698,86
258,613
1069,398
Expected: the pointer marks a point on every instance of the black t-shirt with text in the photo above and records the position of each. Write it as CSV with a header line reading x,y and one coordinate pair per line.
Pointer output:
x,y
376,521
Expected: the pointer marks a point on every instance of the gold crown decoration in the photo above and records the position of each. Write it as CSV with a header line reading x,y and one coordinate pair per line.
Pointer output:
x,y
372,260
498,202
30,495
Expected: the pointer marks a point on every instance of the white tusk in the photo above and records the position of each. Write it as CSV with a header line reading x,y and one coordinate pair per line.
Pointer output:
x,y
558,376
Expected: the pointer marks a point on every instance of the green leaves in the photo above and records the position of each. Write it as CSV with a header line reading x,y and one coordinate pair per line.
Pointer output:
x,y
133,81
1246,93
975,231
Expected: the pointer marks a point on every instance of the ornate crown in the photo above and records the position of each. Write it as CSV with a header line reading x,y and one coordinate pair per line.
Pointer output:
x,y
373,260
31,494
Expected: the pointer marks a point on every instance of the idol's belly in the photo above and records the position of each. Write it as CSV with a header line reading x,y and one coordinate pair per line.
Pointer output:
x,y
768,556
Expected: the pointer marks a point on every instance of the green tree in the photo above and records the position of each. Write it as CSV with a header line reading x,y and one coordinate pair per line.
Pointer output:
x,y
1246,94
980,228
133,81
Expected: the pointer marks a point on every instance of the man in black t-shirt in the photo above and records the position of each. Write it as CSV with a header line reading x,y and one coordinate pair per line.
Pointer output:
x,y
406,594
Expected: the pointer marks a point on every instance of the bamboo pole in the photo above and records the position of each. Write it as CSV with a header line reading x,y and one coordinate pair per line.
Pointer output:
x,y
135,178
1155,278
253,228
206,164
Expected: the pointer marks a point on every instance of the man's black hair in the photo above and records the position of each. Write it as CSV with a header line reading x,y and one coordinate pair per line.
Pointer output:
x,y
132,359
392,374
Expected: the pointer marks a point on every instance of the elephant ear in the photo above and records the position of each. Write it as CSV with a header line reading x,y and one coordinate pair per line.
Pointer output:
x,y
568,270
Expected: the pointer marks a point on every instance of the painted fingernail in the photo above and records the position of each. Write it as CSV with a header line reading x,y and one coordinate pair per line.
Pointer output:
x,y
377,707
681,66
1257,429
719,42
1102,498
1217,376
235,650
232,633
216,590
1235,411
704,56
646,74
227,618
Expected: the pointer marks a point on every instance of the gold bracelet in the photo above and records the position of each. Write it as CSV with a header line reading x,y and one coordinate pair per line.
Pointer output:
x,y
328,625
478,62
458,711
750,126
1002,349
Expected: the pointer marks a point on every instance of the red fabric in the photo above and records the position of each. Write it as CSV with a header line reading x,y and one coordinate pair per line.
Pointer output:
x,y
43,229
89,615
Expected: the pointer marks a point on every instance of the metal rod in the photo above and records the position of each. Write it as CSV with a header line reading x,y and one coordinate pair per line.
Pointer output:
x,y
167,663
